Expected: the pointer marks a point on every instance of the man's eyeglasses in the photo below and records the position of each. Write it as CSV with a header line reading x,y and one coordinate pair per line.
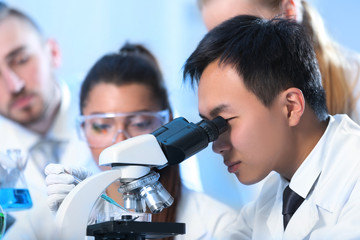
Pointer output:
x,y
102,130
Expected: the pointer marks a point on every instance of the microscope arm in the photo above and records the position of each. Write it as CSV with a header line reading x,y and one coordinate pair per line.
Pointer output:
x,y
73,214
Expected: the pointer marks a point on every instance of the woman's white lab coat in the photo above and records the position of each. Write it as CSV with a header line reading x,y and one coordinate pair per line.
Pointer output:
x,y
205,217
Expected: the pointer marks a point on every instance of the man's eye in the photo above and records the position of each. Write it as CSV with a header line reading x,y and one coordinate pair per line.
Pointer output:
x,y
23,60
20,60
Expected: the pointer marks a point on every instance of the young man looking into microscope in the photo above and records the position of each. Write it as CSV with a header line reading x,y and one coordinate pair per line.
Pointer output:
x,y
263,77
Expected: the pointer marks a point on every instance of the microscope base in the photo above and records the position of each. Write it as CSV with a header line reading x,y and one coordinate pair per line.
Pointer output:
x,y
131,230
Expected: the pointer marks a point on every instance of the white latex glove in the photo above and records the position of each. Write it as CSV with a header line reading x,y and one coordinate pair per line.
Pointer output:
x,y
60,180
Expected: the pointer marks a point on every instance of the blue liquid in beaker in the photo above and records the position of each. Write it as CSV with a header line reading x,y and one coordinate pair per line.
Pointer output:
x,y
13,199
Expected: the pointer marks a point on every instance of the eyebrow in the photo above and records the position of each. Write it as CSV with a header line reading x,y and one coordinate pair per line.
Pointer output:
x,y
216,111
14,52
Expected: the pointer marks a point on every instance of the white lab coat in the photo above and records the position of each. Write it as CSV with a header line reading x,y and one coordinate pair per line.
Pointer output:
x,y
205,217
38,222
329,179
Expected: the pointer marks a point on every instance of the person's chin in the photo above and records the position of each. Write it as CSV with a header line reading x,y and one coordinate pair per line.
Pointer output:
x,y
26,116
246,180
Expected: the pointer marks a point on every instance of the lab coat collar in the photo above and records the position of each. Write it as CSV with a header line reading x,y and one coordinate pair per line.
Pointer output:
x,y
309,171
301,225
303,182
297,226
306,178
315,180
63,127
328,186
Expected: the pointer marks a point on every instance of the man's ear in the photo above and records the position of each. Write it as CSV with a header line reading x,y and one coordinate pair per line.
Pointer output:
x,y
54,51
295,105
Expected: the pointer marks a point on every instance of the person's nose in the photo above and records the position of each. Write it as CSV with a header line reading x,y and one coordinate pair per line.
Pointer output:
x,y
120,135
12,81
222,144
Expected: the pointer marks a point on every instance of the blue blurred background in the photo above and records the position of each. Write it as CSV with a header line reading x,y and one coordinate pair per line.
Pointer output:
x,y
171,29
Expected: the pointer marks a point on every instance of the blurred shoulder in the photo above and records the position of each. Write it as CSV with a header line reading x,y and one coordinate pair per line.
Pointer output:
x,y
351,64
205,217
201,199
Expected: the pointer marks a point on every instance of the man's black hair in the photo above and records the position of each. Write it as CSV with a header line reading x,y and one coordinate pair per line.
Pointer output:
x,y
270,56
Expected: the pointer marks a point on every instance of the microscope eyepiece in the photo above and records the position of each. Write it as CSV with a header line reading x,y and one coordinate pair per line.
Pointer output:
x,y
180,139
213,128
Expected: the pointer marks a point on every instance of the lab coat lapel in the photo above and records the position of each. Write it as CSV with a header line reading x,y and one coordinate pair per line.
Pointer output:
x,y
303,221
274,221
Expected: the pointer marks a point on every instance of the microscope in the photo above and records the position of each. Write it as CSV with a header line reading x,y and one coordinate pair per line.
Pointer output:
x,y
131,162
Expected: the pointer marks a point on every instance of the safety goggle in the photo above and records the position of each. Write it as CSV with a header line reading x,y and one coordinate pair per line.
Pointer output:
x,y
102,130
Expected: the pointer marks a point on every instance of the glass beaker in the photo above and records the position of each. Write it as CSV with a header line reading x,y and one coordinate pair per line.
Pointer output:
x,y
2,222
14,194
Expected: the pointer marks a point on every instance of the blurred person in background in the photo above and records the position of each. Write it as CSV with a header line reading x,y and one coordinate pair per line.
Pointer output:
x,y
36,114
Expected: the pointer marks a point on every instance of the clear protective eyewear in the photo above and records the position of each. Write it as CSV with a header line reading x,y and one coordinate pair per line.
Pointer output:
x,y
102,130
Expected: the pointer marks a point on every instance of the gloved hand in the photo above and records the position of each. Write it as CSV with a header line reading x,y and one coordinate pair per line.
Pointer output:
x,y
60,180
